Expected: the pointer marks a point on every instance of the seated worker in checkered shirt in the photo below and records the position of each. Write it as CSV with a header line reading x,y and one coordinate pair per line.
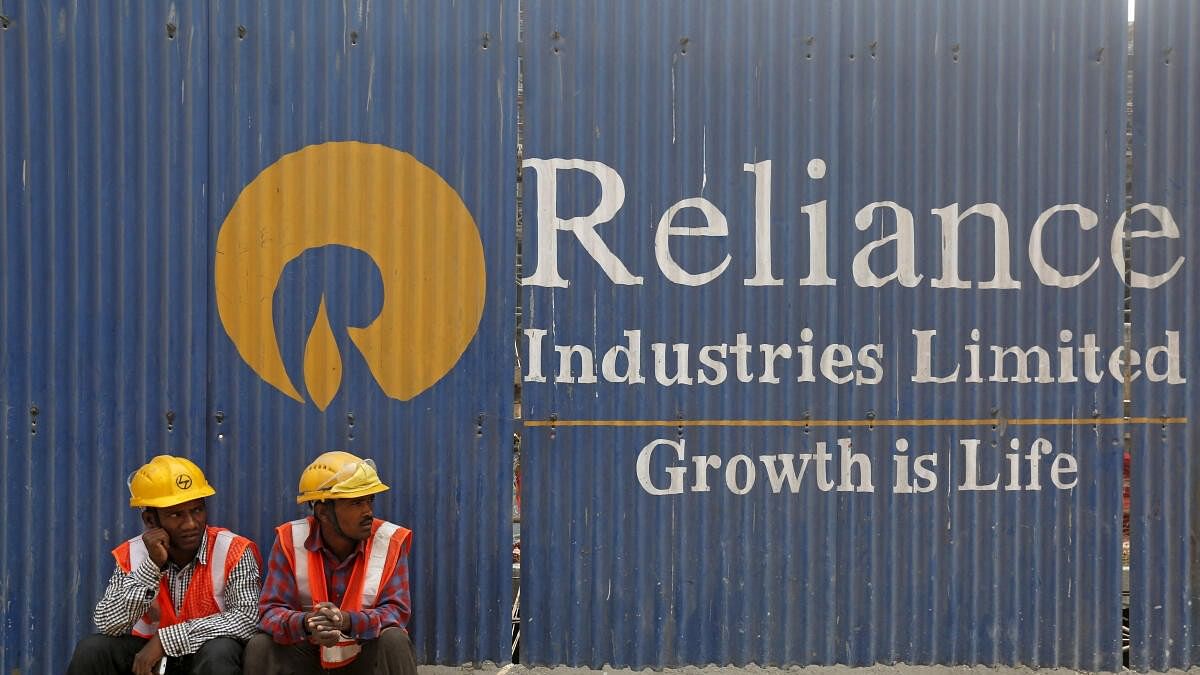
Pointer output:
x,y
184,595
336,592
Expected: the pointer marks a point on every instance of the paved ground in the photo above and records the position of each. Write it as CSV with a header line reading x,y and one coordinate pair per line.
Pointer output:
x,y
751,670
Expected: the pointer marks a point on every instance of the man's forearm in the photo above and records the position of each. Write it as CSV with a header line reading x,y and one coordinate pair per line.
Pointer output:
x,y
126,599
369,623
284,625
187,637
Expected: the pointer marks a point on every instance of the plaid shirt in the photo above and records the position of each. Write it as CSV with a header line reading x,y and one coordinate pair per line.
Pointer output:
x,y
280,603
129,596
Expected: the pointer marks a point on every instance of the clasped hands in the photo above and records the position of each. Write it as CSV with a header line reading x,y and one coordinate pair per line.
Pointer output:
x,y
326,625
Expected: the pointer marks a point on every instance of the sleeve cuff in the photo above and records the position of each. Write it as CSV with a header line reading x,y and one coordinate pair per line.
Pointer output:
x,y
295,624
147,575
175,640
360,626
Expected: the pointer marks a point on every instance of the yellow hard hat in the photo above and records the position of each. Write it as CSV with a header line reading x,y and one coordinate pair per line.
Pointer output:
x,y
339,475
167,481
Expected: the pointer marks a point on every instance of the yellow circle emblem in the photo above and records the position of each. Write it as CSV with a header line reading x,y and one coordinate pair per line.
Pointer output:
x,y
388,205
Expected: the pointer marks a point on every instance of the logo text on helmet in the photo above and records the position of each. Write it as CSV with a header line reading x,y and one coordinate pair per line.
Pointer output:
x,y
183,481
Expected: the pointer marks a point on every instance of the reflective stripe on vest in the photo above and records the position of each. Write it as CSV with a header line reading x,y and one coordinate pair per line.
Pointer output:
x,y
300,560
216,566
138,554
340,654
381,543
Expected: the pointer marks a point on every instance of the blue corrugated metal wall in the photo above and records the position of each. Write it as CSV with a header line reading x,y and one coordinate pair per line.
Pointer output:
x,y
105,127
129,130
428,79
921,103
1165,565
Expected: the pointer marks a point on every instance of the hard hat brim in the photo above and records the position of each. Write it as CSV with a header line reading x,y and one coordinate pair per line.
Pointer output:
x,y
172,500
348,494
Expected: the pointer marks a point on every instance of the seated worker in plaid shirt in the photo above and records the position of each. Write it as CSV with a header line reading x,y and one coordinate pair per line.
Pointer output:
x,y
336,593
181,589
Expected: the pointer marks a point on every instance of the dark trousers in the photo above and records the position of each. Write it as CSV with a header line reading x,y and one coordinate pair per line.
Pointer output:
x,y
391,654
107,655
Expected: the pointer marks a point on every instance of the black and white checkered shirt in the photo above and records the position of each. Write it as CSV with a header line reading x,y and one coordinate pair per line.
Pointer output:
x,y
129,596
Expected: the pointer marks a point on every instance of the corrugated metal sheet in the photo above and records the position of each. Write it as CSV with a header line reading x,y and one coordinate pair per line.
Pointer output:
x,y
129,131
433,80
926,104
1165,564
104,297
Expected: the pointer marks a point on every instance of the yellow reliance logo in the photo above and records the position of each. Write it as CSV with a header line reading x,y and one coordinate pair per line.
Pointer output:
x,y
386,204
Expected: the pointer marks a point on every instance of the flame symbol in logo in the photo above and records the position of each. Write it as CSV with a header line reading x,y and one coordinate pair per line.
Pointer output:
x,y
382,202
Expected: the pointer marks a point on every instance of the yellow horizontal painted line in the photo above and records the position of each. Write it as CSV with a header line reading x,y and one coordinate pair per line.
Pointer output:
x,y
1018,422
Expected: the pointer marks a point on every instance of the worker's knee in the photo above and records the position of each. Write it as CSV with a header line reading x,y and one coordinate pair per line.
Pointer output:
x,y
104,653
396,652
218,655
395,639
92,648
257,655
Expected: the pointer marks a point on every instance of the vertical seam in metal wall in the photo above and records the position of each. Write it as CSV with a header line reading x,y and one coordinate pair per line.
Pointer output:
x,y
77,549
1126,328
7,427
518,411
8,400
210,12
1127,244
27,336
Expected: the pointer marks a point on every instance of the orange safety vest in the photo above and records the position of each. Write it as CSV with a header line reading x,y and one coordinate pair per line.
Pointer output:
x,y
205,593
372,569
